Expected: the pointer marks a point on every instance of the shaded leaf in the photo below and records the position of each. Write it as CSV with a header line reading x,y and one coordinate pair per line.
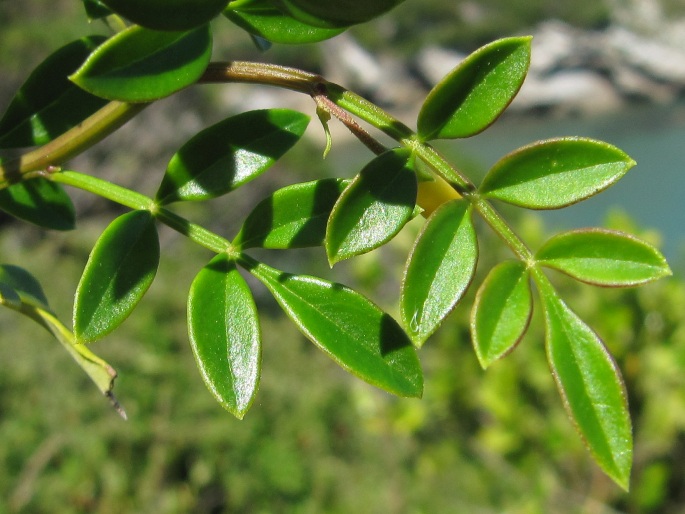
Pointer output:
x,y
501,312
41,202
439,269
225,156
168,14
292,217
121,267
20,291
141,65
590,385
261,18
348,327
473,95
48,104
341,13
373,208
555,173
95,9
224,335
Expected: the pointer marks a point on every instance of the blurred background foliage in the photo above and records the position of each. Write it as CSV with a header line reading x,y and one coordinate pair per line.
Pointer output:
x,y
316,440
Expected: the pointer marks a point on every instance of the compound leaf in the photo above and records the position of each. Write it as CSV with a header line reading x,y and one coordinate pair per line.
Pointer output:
x,y
41,202
224,334
473,95
373,208
48,104
120,269
262,19
590,385
604,257
439,269
141,65
555,173
348,327
225,156
501,312
292,217
175,15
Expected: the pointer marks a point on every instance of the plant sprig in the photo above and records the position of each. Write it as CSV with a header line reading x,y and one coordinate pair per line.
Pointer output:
x,y
102,83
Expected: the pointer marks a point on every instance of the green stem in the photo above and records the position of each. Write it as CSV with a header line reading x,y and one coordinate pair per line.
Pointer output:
x,y
137,201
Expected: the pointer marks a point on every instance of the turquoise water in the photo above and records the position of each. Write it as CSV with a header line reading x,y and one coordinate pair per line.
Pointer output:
x,y
651,193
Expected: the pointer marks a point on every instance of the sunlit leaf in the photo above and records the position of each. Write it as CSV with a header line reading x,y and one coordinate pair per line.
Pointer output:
x,y
439,269
120,269
168,14
590,385
373,208
224,334
48,104
20,291
341,13
39,201
141,65
604,257
501,312
292,217
473,95
555,173
261,18
225,156
353,331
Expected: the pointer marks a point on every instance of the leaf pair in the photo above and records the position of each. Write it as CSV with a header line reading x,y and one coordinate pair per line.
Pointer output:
x,y
355,333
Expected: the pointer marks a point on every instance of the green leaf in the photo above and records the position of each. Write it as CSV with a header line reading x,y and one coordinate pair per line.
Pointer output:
x,y
341,13
555,173
225,156
41,202
38,114
121,267
348,327
168,14
261,18
95,9
20,291
439,269
141,65
590,385
224,335
501,312
473,95
292,217
373,208
604,257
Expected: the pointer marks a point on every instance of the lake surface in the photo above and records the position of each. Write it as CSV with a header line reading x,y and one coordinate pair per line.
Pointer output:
x,y
651,193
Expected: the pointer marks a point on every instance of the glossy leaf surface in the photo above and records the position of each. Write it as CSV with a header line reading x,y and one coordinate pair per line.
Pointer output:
x,y
352,330
37,114
225,156
472,96
501,312
555,173
20,291
41,202
590,385
141,65
174,15
341,13
292,217
121,267
224,335
439,270
373,208
261,18
604,257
